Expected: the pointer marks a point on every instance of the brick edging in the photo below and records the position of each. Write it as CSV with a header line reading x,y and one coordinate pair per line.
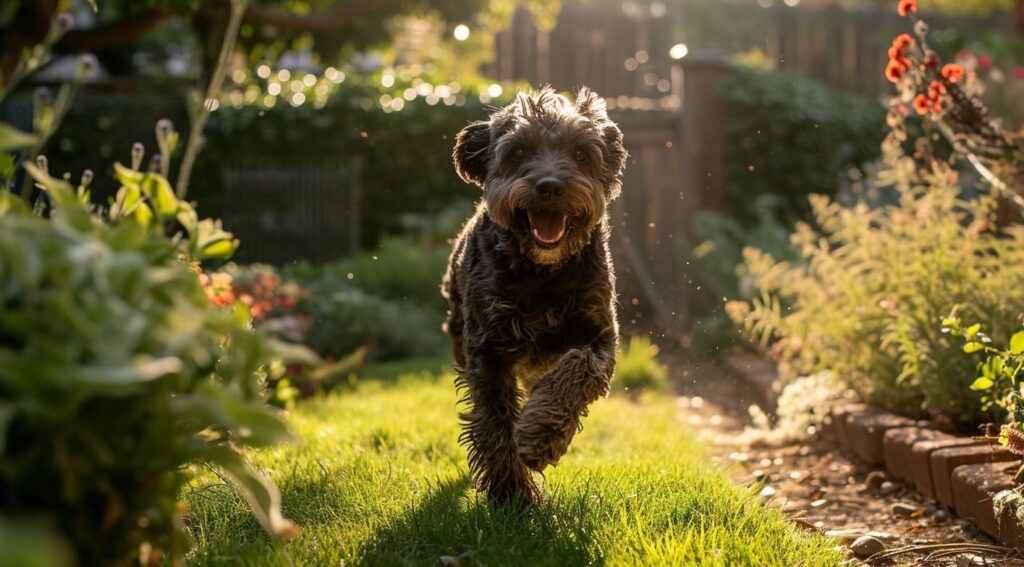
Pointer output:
x,y
962,474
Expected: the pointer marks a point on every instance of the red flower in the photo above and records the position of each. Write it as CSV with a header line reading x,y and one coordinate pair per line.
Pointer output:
x,y
952,72
1018,72
984,62
936,89
906,7
922,105
899,45
894,71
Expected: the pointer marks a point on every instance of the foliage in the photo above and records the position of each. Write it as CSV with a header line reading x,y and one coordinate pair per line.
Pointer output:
x,y
404,157
871,285
637,367
790,137
720,268
107,331
999,375
379,478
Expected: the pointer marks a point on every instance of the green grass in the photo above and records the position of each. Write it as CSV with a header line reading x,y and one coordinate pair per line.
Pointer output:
x,y
376,478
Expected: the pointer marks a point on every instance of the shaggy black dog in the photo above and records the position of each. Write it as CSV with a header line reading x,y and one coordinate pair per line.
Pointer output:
x,y
530,284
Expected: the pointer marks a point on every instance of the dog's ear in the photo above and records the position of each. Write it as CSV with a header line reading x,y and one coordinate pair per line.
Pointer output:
x,y
592,106
472,152
615,156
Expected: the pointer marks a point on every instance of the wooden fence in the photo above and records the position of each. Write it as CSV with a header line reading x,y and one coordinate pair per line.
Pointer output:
x,y
622,48
298,210
676,167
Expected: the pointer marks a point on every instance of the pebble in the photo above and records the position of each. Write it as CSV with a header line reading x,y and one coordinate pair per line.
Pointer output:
x,y
866,546
887,488
940,515
758,475
903,509
875,479
767,492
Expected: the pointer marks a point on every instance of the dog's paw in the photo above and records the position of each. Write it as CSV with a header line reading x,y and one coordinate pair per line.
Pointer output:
x,y
543,434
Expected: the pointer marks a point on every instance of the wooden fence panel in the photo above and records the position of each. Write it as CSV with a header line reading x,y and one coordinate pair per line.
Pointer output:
x,y
302,210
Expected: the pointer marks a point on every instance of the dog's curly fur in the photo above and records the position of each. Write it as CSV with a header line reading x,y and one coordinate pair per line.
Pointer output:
x,y
532,317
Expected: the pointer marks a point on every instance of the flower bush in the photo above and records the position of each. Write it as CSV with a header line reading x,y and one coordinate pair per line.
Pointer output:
x,y
866,296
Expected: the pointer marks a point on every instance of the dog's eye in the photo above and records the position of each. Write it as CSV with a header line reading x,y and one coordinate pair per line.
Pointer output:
x,y
581,156
518,154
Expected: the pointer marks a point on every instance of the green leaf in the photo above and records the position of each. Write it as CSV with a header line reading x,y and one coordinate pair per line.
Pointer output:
x,y
982,383
219,250
972,330
12,139
160,193
7,412
1017,343
6,167
263,497
973,346
92,4
128,176
143,214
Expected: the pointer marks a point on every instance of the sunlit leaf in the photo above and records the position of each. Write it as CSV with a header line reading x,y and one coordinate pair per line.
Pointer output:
x,y
971,331
973,346
1017,343
12,139
982,383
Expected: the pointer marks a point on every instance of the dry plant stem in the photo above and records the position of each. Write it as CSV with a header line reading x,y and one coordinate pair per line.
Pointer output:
x,y
61,107
195,135
940,548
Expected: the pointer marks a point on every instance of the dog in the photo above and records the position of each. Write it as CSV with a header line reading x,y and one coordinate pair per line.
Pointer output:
x,y
530,284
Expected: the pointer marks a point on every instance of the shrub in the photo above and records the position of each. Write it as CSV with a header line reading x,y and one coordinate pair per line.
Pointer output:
x,y
866,297
117,372
721,272
637,367
790,137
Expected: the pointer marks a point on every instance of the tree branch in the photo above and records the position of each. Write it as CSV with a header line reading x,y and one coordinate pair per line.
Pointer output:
x,y
113,34
341,14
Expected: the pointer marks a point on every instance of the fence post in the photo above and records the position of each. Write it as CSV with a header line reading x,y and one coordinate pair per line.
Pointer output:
x,y
702,125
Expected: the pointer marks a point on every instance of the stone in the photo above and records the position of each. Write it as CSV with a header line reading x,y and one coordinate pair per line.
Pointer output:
x,y
875,479
887,488
944,461
866,546
904,510
864,433
940,515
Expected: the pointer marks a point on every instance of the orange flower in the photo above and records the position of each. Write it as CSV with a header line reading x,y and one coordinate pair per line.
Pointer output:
x,y
922,105
894,71
906,7
952,72
935,90
899,45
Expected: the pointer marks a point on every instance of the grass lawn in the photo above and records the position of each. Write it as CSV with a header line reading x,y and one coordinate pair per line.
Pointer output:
x,y
376,477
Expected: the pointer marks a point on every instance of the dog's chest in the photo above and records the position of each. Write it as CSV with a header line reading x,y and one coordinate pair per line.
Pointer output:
x,y
528,370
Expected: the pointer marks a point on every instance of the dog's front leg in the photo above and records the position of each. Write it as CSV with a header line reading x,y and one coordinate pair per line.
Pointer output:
x,y
488,431
551,417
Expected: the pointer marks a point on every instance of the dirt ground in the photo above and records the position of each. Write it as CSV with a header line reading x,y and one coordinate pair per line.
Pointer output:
x,y
819,487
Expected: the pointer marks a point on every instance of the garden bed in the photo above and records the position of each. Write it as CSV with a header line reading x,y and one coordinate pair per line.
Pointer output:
x,y
909,481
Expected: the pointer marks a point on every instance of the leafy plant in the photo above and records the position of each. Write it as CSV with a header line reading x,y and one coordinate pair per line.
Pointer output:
x,y
115,373
788,136
637,367
999,376
870,287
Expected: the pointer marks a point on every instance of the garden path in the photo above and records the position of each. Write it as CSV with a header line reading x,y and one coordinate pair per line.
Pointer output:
x,y
817,487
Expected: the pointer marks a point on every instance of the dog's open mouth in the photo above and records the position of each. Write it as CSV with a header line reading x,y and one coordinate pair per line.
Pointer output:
x,y
548,227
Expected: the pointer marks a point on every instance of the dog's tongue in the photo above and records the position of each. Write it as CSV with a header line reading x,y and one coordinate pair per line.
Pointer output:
x,y
548,227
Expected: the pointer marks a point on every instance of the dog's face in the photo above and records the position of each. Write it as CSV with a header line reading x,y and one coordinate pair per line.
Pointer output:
x,y
548,169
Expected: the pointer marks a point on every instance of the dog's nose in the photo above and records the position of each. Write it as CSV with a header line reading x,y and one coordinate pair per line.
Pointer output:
x,y
549,187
